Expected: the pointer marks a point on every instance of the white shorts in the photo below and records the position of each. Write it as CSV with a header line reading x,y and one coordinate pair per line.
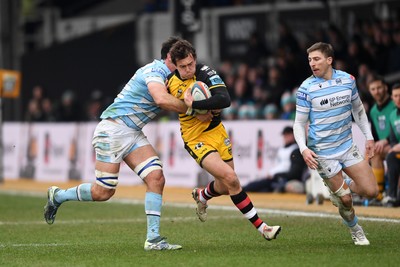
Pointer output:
x,y
113,141
329,167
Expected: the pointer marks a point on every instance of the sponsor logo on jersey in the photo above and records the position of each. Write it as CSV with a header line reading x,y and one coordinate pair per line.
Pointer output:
x,y
227,141
159,70
179,93
211,73
339,100
301,96
216,80
199,145
323,102
382,122
397,126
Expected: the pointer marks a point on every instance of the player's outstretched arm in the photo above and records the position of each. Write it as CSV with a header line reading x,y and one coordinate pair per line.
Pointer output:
x,y
165,100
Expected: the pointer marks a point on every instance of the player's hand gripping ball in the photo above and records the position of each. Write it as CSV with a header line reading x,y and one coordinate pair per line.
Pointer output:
x,y
200,91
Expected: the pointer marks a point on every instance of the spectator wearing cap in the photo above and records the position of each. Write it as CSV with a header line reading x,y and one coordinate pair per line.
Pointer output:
x,y
247,111
287,173
229,113
288,104
270,112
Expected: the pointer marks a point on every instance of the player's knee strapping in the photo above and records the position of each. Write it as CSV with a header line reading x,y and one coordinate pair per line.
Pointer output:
x,y
342,192
83,192
106,179
346,212
147,166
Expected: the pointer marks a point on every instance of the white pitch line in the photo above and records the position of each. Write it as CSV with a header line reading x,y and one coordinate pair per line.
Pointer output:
x,y
47,245
33,245
228,208
104,221
178,219
287,212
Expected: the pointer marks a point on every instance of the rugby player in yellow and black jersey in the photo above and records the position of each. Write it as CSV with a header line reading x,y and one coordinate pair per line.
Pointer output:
x,y
192,127
205,137
196,132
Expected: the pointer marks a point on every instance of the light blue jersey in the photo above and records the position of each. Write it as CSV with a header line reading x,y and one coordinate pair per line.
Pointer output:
x,y
134,105
328,105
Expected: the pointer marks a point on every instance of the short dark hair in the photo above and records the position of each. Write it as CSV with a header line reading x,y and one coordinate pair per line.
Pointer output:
x,y
375,77
166,46
325,49
287,130
181,50
396,86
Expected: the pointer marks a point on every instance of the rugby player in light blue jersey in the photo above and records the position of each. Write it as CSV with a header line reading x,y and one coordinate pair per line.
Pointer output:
x,y
325,104
119,137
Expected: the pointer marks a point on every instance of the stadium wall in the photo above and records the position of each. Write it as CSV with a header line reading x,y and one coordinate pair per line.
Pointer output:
x,y
61,152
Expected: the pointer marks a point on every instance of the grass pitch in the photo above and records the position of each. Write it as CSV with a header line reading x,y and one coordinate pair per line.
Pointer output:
x,y
113,234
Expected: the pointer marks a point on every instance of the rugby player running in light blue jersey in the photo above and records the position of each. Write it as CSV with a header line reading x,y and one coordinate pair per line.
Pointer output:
x,y
326,102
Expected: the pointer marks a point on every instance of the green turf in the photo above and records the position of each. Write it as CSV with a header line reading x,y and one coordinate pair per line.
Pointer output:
x,y
113,234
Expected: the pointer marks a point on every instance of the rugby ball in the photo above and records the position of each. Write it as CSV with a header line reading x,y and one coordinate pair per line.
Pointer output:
x,y
200,91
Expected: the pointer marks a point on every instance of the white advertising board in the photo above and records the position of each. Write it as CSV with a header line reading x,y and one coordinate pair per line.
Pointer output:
x,y
59,152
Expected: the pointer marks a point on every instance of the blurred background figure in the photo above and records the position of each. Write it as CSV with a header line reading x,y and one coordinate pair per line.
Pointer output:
x,y
270,112
288,105
287,173
274,86
95,106
69,109
34,112
229,113
247,111
38,93
380,127
48,110
393,158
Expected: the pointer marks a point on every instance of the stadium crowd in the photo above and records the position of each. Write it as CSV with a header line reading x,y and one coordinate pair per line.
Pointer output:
x,y
263,85
66,109
266,82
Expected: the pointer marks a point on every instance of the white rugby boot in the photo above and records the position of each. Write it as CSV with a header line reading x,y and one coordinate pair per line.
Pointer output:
x,y
271,232
160,243
201,209
358,236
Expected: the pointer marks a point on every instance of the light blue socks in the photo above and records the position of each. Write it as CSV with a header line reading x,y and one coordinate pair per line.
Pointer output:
x,y
80,193
351,223
152,206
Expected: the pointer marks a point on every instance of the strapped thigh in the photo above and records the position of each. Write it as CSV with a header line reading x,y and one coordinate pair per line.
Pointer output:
x,y
106,179
147,166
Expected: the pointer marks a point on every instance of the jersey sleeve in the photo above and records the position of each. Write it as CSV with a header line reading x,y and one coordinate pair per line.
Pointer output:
x,y
154,73
303,107
219,94
358,111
